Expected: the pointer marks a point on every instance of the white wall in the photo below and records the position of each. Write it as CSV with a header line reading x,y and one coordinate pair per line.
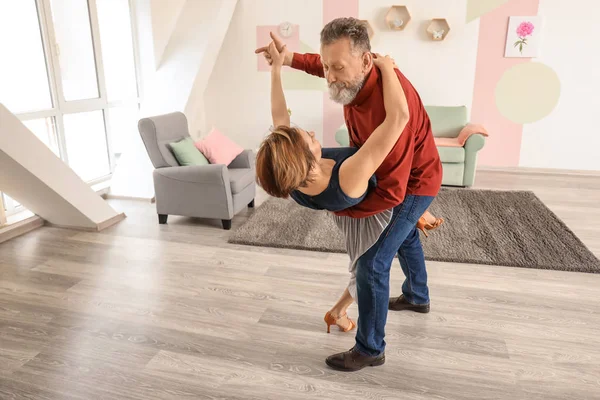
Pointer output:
x,y
165,14
442,72
569,138
194,109
237,97
186,63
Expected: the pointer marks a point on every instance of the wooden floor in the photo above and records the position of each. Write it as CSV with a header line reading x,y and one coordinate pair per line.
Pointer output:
x,y
142,311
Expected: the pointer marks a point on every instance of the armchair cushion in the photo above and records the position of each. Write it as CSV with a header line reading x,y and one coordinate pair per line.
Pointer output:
x,y
240,178
452,154
202,174
447,122
186,153
218,148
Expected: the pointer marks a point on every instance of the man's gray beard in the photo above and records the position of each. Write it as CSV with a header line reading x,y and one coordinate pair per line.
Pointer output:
x,y
345,95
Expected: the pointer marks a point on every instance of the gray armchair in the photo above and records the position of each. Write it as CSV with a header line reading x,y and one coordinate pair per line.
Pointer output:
x,y
204,191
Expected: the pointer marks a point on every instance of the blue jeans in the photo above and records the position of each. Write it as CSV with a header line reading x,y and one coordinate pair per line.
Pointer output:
x,y
373,273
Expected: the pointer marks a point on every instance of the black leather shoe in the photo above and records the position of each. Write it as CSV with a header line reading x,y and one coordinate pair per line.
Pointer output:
x,y
352,360
400,304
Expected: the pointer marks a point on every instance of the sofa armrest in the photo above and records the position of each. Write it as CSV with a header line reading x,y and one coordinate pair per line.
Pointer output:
x,y
244,160
215,174
474,143
469,130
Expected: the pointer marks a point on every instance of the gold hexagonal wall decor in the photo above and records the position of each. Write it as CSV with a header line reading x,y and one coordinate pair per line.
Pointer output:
x,y
438,29
397,18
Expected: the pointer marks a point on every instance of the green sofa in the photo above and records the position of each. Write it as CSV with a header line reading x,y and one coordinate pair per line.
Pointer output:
x,y
459,163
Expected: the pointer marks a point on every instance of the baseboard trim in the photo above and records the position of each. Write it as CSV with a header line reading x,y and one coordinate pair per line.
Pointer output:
x,y
71,227
99,227
11,231
111,221
538,171
117,197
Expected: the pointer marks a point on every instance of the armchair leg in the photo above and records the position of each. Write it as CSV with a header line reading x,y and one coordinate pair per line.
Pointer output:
x,y
251,204
226,224
162,218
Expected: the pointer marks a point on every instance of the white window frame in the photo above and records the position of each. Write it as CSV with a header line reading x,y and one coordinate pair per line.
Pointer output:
x,y
60,107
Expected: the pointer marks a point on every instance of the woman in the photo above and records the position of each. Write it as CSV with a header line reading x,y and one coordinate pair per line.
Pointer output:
x,y
291,162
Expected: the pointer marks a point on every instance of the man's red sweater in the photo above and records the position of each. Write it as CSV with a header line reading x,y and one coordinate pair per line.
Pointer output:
x,y
412,167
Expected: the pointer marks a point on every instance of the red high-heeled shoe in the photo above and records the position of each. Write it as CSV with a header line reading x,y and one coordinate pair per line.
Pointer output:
x,y
425,226
331,320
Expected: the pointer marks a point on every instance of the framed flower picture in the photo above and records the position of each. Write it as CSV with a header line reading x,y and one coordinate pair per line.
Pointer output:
x,y
523,38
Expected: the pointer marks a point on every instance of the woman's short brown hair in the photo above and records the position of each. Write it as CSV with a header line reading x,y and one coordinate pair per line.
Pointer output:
x,y
283,162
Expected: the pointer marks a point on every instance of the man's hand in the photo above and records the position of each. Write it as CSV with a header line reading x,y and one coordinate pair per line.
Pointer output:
x,y
280,47
277,57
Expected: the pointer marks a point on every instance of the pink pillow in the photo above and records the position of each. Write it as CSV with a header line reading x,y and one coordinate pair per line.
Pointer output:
x,y
218,148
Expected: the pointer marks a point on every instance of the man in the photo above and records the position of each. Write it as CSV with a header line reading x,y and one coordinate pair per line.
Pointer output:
x,y
407,182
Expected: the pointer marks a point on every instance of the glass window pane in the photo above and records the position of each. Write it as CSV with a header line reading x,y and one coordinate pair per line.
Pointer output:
x,y
43,128
122,124
10,205
85,136
116,38
23,75
5,202
75,49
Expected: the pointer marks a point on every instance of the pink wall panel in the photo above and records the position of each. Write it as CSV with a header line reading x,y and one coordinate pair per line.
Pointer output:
x,y
503,147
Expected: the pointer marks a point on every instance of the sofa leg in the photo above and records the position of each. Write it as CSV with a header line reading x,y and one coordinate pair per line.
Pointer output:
x,y
251,204
226,224
162,218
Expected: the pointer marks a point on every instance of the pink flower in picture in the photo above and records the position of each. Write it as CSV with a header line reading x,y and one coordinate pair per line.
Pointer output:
x,y
524,29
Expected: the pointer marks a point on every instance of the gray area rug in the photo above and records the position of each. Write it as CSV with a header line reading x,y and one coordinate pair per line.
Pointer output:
x,y
481,227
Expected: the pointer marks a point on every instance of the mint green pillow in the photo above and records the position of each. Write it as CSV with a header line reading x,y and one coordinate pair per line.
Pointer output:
x,y
187,154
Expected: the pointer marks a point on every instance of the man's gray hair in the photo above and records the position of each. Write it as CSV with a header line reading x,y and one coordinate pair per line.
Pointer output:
x,y
350,28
